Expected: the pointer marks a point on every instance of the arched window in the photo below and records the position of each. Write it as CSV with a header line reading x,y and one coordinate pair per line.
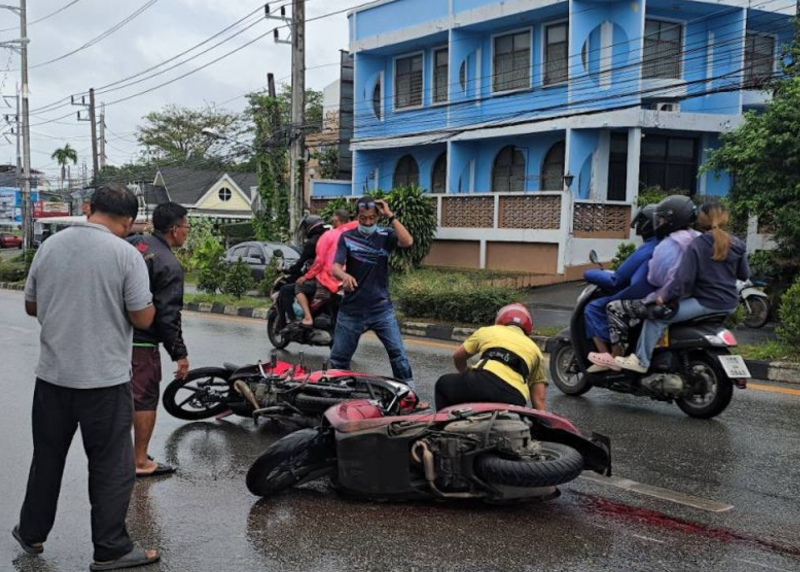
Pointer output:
x,y
439,175
508,173
553,168
406,173
377,102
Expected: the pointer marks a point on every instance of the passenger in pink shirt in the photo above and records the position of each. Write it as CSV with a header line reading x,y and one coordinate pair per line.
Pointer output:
x,y
318,281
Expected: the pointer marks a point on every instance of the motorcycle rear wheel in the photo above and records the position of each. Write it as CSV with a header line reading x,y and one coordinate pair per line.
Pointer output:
x,y
720,390
756,312
274,325
562,364
560,464
196,403
299,457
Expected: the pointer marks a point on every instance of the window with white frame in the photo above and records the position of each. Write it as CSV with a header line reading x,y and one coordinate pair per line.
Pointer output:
x,y
759,58
408,81
555,53
512,61
663,42
224,194
440,75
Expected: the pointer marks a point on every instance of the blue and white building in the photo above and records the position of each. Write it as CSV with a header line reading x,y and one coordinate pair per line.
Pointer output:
x,y
535,123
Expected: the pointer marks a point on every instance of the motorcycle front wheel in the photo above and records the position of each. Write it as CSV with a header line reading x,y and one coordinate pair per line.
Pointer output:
x,y
557,464
565,373
203,393
756,311
299,457
719,389
274,326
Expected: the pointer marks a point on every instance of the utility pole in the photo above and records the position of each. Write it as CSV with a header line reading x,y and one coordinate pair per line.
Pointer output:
x,y
27,219
297,25
102,157
93,120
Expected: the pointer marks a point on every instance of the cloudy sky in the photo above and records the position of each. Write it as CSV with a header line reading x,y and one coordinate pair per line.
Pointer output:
x,y
162,30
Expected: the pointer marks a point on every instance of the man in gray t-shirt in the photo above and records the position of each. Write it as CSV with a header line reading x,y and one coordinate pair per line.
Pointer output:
x,y
88,288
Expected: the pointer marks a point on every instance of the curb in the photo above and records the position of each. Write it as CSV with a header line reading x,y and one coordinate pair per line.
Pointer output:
x,y
782,372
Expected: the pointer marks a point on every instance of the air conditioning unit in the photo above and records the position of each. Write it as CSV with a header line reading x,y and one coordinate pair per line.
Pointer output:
x,y
666,106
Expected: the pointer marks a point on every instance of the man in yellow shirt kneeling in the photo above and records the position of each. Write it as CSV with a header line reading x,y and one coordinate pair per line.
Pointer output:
x,y
510,370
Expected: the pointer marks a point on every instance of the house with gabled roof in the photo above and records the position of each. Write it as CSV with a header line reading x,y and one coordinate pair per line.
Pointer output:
x,y
209,193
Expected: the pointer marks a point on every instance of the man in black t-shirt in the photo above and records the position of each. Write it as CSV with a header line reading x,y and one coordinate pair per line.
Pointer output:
x,y
364,252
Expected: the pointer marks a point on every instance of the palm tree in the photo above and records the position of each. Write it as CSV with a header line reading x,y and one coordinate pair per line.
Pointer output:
x,y
63,157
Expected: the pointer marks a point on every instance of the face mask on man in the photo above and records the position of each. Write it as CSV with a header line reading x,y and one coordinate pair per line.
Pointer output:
x,y
367,230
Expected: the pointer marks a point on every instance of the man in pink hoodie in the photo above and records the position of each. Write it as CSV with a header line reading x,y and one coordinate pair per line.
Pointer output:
x,y
318,281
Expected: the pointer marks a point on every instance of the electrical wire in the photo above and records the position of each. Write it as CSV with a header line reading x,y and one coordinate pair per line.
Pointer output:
x,y
43,18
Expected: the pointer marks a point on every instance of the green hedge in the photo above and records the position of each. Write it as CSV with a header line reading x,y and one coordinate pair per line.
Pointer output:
x,y
451,297
13,271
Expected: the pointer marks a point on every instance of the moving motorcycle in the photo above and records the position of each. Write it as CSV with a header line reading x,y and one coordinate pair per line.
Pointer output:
x,y
490,451
278,391
692,366
755,303
282,334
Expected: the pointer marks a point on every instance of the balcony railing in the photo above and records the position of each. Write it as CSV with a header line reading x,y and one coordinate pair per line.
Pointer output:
x,y
601,220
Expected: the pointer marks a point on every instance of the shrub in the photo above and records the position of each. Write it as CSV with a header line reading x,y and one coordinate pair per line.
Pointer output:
x,y
789,330
271,273
238,280
654,195
452,297
211,277
418,214
333,205
764,263
624,250
13,271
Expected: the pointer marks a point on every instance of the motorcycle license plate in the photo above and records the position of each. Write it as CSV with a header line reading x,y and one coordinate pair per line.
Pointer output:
x,y
735,367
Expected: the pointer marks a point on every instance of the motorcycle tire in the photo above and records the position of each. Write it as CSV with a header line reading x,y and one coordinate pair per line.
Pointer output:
x,y
316,403
560,465
756,312
569,383
180,407
719,396
299,457
274,326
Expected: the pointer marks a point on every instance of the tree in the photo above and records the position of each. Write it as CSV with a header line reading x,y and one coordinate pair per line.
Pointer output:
x,y
314,110
176,135
63,157
763,156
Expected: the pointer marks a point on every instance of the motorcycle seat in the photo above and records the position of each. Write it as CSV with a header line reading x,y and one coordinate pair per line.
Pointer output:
x,y
230,366
715,318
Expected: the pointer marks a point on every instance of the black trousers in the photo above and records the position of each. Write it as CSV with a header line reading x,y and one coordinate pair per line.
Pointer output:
x,y
286,301
105,417
475,386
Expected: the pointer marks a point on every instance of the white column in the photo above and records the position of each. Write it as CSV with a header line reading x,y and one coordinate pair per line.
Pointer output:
x,y
600,170
482,255
634,156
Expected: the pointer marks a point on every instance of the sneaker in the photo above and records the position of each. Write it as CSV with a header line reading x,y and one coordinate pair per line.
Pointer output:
x,y
631,363
604,360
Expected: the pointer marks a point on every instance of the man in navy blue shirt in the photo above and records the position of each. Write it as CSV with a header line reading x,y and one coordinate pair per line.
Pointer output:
x,y
364,252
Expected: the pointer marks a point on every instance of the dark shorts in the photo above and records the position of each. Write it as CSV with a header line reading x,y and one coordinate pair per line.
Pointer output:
x,y
146,377
313,290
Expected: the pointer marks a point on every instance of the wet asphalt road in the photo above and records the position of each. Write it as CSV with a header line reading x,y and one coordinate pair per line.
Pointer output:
x,y
204,520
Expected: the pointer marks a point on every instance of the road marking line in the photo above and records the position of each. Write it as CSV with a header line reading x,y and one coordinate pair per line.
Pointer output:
x,y
659,493
648,539
772,389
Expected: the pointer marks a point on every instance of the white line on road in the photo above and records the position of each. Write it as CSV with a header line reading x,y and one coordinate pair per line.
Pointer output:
x,y
767,566
648,539
659,493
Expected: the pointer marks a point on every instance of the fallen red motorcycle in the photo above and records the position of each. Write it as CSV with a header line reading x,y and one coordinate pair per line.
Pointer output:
x,y
490,451
279,391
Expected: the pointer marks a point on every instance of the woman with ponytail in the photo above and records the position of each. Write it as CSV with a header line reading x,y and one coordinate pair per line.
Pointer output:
x,y
704,283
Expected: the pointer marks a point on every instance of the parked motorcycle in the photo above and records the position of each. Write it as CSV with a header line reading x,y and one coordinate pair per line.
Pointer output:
x,y
489,451
755,303
278,391
692,366
281,333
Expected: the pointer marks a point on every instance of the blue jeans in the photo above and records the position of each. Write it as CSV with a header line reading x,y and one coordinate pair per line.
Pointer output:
x,y
351,325
652,330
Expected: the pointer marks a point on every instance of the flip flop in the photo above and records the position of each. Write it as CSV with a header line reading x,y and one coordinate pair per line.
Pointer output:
x,y
136,557
28,547
161,469
604,360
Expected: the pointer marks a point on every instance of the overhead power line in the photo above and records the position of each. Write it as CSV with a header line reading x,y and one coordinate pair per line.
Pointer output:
x,y
43,18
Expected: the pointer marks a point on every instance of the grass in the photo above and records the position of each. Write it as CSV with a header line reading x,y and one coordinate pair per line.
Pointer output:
x,y
771,350
227,300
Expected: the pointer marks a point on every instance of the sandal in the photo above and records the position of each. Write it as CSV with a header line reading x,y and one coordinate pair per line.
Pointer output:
x,y
161,469
136,557
604,360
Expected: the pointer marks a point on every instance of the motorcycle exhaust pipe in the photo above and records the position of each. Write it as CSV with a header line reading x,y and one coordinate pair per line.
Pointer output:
x,y
244,390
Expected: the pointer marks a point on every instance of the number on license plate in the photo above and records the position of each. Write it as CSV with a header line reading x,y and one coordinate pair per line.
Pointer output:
x,y
735,367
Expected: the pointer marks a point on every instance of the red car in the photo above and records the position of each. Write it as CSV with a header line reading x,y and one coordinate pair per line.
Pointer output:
x,y
8,240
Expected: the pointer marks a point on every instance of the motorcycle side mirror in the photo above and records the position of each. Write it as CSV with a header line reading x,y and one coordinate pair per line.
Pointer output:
x,y
277,253
593,257
273,359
